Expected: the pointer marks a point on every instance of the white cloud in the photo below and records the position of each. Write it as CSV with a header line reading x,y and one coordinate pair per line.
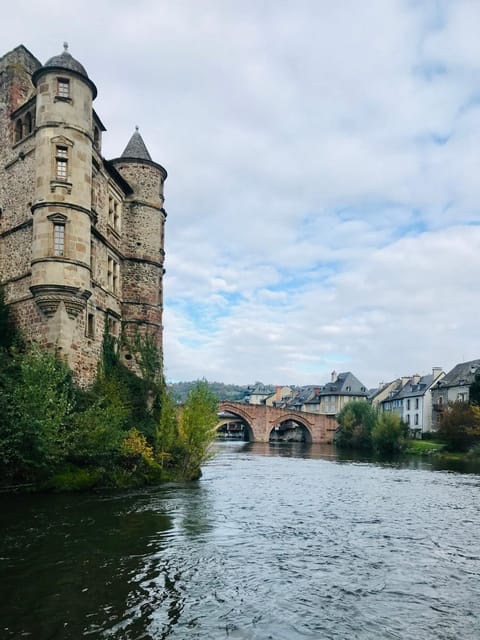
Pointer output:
x,y
323,174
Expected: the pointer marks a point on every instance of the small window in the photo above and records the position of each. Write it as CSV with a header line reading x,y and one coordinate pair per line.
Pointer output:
x,y
416,418
61,162
90,328
113,326
408,405
114,213
408,418
63,87
96,138
113,275
416,403
59,239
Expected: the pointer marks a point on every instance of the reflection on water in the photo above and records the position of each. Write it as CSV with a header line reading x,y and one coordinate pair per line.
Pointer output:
x,y
275,541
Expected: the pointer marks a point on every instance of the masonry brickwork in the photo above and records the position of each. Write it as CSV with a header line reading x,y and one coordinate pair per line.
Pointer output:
x,y
81,237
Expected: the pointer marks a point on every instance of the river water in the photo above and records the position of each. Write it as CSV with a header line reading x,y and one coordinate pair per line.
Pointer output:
x,y
277,542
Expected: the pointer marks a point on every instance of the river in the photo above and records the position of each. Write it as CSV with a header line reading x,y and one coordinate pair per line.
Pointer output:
x,y
274,542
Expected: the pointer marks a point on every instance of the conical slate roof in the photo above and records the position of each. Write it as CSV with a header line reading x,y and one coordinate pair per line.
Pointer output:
x,y
136,148
66,61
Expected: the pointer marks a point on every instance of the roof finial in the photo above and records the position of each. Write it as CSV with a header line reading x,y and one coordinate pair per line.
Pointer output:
x,y
65,46
136,127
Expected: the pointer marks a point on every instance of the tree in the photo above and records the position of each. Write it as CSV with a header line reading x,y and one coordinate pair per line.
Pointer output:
x,y
460,426
166,435
32,430
356,421
197,422
388,434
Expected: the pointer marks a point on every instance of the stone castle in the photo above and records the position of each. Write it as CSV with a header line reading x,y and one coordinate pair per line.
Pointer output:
x,y
81,237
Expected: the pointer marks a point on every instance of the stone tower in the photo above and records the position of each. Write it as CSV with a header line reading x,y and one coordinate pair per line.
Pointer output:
x,y
144,217
81,237
61,283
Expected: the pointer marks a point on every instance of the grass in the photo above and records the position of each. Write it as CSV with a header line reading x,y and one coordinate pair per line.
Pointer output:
x,y
423,447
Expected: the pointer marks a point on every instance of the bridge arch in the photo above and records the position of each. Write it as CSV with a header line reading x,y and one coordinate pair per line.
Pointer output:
x,y
238,412
288,419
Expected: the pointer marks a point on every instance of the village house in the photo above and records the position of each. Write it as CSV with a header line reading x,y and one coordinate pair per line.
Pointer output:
x,y
412,401
455,386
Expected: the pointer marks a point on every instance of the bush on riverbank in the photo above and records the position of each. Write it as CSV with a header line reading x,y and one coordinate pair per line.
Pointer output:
x,y
123,431
361,426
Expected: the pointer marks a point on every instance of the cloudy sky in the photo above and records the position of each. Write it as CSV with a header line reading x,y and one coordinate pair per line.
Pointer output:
x,y
324,164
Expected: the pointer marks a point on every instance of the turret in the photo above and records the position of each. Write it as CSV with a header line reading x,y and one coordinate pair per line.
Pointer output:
x,y
143,240
61,278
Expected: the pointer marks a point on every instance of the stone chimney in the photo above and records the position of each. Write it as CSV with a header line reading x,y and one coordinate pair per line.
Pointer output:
x,y
334,375
436,371
278,392
415,379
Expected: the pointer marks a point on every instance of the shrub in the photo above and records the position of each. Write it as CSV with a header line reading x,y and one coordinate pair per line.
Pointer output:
x,y
388,434
356,421
460,426
197,422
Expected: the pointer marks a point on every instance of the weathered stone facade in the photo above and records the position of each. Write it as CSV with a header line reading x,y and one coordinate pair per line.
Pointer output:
x,y
81,237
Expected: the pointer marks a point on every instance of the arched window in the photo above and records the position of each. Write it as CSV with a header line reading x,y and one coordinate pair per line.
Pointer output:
x,y
18,130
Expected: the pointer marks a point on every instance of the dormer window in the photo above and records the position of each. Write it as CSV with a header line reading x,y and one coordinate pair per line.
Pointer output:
x,y
63,88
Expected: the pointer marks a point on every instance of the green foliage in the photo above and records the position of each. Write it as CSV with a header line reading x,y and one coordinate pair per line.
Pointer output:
x,y
197,422
388,434
9,336
460,426
166,435
40,400
356,422
124,431
474,392
147,357
96,432
75,479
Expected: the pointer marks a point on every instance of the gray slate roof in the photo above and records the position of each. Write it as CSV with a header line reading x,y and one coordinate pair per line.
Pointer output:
x,y
345,384
461,374
66,61
413,389
136,148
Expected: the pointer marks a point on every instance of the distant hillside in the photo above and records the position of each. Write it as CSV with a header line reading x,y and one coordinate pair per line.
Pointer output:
x,y
222,391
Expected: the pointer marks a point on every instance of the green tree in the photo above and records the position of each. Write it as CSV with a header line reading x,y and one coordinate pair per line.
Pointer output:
x,y
96,431
197,423
356,421
166,435
32,430
460,426
388,434
9,334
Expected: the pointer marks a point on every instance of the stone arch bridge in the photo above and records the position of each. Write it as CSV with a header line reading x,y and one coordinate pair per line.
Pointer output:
x,y
261,420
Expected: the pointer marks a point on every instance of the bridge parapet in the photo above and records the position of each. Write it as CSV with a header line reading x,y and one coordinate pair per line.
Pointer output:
x,y
261,419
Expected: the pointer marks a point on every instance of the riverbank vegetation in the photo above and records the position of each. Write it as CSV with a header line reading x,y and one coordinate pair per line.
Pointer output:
x,y
123,431
362,427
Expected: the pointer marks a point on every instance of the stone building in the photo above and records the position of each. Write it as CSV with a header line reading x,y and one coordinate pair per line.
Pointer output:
x,y
81,237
